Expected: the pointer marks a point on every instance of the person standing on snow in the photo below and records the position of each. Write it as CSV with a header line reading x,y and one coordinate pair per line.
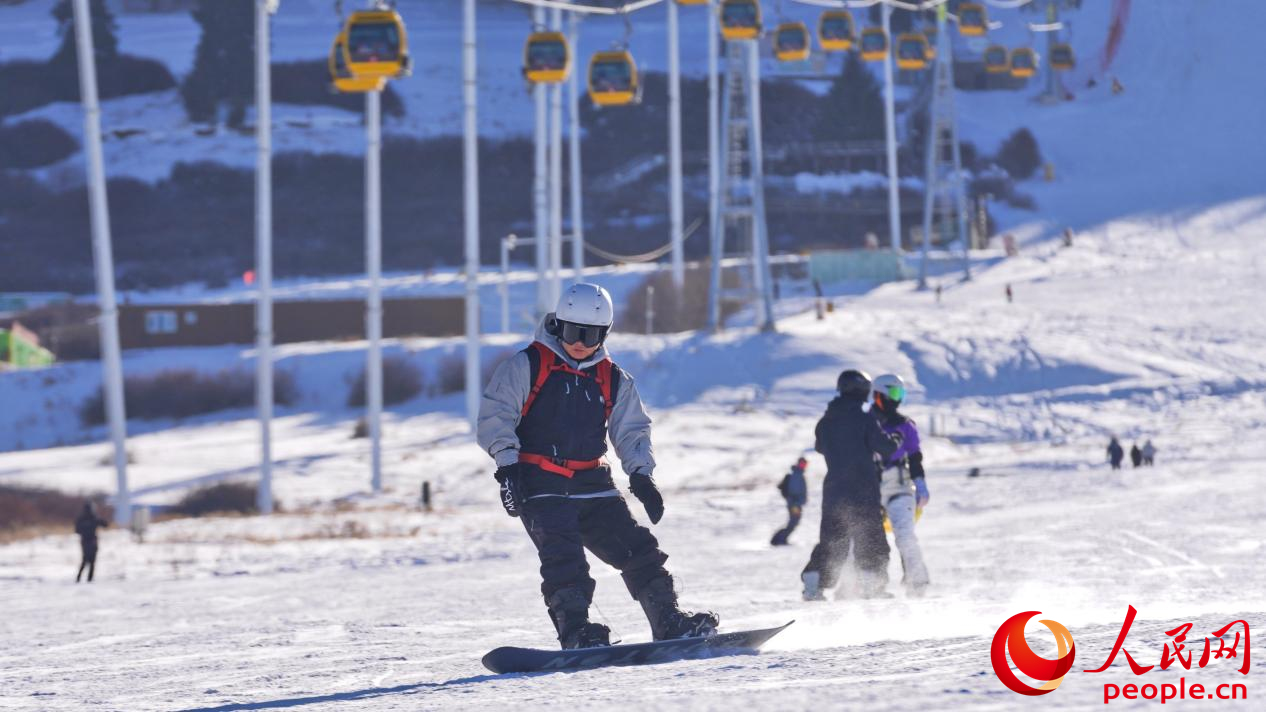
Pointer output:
x,y
796,493
902,486
1115,453
1136,455
544,419
850,438
86,526
1149,453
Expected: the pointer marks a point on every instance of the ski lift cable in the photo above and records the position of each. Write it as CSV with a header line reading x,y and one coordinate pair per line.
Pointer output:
x,y
904,5
582,8
645,256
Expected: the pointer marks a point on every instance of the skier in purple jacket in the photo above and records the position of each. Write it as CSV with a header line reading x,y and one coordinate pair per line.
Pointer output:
x,y
903,489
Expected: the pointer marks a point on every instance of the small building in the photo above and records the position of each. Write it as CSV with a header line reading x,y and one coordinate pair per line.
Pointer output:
x,y
147,326
20,348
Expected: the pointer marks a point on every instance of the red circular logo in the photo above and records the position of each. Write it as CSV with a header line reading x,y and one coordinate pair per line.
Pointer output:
x,y
1010,639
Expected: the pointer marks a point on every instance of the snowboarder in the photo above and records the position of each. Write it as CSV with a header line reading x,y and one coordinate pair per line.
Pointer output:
x,y
86,526
544,419
1136,455
850,438
796,493
1115,453
1149,453
903,487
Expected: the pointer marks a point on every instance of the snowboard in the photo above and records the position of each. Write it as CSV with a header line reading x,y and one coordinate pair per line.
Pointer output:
x,y
510,659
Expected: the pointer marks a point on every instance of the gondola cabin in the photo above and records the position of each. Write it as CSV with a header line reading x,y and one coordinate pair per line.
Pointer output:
x,y
613,79
913,51
342,78
835,31
377,44
1062,58
996,59
740,19
874,44
973,21
791,42
1023,63
546,58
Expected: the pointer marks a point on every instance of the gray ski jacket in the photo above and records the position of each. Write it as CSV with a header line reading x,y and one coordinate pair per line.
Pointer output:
x,y
501,408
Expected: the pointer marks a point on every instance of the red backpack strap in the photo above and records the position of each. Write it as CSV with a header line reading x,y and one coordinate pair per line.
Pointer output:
x,y
544,365
606,381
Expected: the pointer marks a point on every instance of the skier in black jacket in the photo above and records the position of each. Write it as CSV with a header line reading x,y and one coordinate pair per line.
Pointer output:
x,y
850,438
86,526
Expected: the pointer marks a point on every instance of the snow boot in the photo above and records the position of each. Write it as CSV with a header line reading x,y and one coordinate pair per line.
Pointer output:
x,y
812,586
659,601
569,609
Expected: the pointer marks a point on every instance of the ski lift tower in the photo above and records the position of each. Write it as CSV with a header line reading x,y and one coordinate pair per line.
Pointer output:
x,y
945,194
741,230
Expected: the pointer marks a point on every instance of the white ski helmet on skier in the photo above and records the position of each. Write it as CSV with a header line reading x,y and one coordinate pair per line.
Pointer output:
x,y
887,391
586,303
584,314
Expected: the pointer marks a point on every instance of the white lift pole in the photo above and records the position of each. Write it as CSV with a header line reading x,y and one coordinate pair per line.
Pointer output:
x,y
714,150
103,259
674,148
373,268
470,154
540,197
264,251
577,205
556,178
890,138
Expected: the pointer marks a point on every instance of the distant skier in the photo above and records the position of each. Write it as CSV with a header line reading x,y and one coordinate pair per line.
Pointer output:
x,y
86,526
903,487
1115,453
796,493
1149,453
1136,455
1010,296
544,419
850,438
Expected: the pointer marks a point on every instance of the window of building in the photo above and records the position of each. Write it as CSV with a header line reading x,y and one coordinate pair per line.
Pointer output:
x,y
161,322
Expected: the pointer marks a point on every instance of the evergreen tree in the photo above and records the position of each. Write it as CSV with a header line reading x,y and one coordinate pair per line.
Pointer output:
x,y
105,45
853,110
224,66
1019,155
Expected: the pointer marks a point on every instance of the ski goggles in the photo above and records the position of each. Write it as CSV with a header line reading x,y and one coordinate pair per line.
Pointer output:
x,y
895,393
587,334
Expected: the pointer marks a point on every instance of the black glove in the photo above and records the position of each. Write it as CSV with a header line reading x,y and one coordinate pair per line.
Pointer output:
x,y
511,489
647,493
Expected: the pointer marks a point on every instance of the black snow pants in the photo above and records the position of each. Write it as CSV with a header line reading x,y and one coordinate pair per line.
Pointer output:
x,y
89,549
793,520
846,523
563,525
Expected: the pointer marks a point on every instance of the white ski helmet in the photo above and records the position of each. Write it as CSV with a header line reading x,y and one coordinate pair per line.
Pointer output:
x,y
586,303
888,387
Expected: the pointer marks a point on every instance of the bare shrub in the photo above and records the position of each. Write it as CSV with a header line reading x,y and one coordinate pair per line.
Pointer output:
x,y
182,393
223,498
674,312
25,507
401,381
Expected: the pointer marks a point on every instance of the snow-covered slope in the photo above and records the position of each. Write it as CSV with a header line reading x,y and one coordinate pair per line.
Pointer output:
x,y
1122,333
